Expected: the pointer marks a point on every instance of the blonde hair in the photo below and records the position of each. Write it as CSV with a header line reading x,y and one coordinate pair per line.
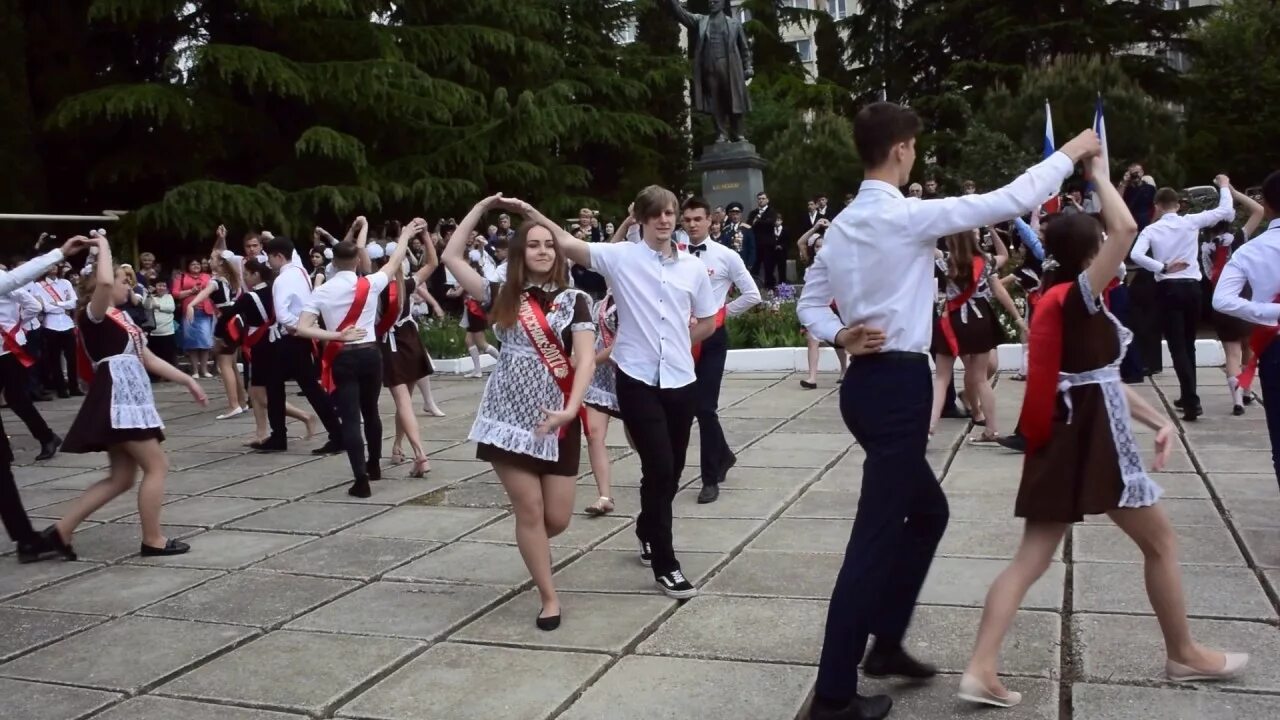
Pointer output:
x,y
653,201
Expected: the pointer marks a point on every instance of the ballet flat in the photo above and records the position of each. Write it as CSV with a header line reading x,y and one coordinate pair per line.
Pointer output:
x,y
1178,672
975,692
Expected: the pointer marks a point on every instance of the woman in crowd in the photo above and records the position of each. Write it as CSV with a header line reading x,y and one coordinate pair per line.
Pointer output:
x,y
1082,458
968,329
475,320
602,403
222,291
318,261
119,413
807,247
148,270
528,423
163,310
1233,332
197,333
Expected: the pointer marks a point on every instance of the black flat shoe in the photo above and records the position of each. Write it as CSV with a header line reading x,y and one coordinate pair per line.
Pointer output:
x,y
808,385
48,541
895,662
333,447
872,707
1238,410
172,547
954,413
269,445
374,469
360,488
708,494
549,623
49,448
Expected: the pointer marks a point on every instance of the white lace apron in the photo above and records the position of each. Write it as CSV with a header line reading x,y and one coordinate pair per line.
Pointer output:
x,y
602,392
1139,489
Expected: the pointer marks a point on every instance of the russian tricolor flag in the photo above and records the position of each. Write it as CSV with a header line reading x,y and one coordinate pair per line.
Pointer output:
x,y
1100,127
1055,203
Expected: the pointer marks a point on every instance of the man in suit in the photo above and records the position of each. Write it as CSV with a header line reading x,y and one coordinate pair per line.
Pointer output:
x,y
762,220
721,66
733,227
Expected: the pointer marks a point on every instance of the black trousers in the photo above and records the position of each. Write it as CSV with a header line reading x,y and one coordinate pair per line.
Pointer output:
x,y
164,347
35,374
357,373
292,358
710,372
658,421
16,379
902,513
1180,308
59,346
1144,320
767,259
12,512
1269,379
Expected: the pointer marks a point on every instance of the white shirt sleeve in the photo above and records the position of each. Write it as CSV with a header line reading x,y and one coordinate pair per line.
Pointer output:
x,y
1227,300
378,282
814,306
603,257
749,295
28,272
1141,248
932,219
283,292
1225,211
704,301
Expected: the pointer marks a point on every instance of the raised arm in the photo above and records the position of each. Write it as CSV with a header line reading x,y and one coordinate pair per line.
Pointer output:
x,y
1002,252
29,272
579,251
1255,210
455,253
392,267
684,17
430,260
620,232
219,240
802,245
1224,212
1121,227
100,303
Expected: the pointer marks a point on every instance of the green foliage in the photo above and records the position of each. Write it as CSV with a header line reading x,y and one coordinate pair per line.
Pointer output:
x,y
1233,110
768,325
812,155
444,337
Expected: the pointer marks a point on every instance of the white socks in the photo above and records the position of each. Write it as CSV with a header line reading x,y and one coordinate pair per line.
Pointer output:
x,y
1237,394
493,352
475,356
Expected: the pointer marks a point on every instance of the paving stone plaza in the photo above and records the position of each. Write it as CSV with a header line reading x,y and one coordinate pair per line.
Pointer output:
x,y
298,600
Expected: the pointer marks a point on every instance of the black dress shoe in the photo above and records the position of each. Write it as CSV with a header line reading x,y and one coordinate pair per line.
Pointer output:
x,y
1192,414
360,488
1178,403
63,394
549,623
49,541
954,413
270,445
1013,441
41,397
374,469
872,707
1237,410
808,385
708,494
49,448
897,663
728,465
333,447
77,393
172,547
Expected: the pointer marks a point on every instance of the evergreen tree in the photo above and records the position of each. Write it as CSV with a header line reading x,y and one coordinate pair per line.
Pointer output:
x,y
813,155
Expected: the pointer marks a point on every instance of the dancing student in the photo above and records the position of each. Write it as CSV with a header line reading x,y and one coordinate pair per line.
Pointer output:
x,y
294,355
351,366
725,270
1256,265
119,415
1173,242
404,359
18,357
602,403
58,296
223,290
528,424
197,332
474,319
968,329
1082,458
808,246
32,546
887,396
664,300
1232,331
422,296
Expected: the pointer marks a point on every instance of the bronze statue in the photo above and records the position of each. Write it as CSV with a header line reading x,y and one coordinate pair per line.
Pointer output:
x,y
721,66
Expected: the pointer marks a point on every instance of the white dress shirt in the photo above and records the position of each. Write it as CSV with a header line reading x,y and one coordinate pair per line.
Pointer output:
x,y
877,256
289,294
1257,262
32,302
656,296
332,301
13,308
725,270
1177,237
59,299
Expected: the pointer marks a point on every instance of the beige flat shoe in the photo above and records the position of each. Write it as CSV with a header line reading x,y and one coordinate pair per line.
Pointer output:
x,y
971,690
1178,672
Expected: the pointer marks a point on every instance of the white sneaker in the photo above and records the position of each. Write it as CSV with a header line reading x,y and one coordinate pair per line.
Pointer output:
x,y
231,413
474,374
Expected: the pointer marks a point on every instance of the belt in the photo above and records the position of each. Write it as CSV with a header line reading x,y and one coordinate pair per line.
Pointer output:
x,y
349,347
1180,280
891,356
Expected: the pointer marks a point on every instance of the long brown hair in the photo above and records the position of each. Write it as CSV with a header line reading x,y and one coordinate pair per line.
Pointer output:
x,y
507,304
962,248
223,268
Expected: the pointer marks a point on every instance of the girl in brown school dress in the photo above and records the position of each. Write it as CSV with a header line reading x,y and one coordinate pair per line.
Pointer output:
x,y
1232,331
1082,458
528,422
968,329
602,404
119,413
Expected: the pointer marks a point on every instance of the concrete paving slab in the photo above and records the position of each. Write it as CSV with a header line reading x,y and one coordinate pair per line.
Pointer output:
x,y
733,503
944,636
1182,511
1117,702
581,533
150,707
965,581
128,655
295,671
1235,461
1209,591
350,557
115,590
1129,649
291,484
769,573
1203,545
418,611
1253,513
112,542
207,511
40,701
643,688
998,539
620,571
590,622
259,599
1244,485
307,518
228,549
385,492
765,458
17,579
470,562
26,630
754,478
721,627
696,535
415,522
120,507
1263,546
797,535
824,504
473,682
1182,485
470,494
937,700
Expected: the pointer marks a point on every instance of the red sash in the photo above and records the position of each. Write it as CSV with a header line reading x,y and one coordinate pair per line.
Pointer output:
x,y
84,363
237,326
9,339
547,344
1220,255
720,318
388,319
602,320
1259,339
1044,361
949,332
333,347
48,287
475,308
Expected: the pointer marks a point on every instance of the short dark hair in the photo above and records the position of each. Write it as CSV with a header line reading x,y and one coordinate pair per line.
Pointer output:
x,y
345,250
1271,191
280,246
1167,196
260,269
694,203
881,125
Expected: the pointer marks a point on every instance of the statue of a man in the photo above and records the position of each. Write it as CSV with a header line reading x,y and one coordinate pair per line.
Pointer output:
x,y
721,66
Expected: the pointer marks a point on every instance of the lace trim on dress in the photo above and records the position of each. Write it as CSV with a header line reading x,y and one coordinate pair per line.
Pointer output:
x,y
515,439
132,404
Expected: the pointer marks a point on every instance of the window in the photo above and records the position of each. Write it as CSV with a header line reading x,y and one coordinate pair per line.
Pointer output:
x,y
838,9
801,4
804,49
627,34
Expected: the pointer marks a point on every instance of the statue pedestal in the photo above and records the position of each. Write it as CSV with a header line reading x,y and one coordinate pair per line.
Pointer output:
x,y
731,172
